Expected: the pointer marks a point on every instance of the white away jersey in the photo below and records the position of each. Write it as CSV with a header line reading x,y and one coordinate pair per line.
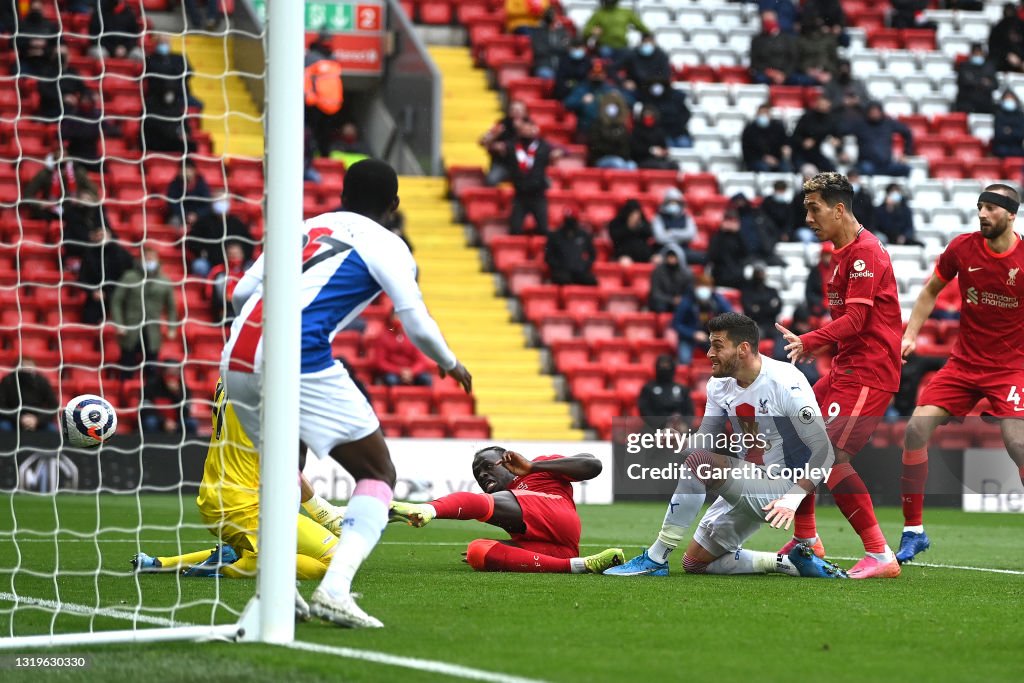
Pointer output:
x,y
779,405
347,260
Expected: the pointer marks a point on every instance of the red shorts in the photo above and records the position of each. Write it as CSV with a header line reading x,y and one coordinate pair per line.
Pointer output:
x,y
957,388
851,410
552,524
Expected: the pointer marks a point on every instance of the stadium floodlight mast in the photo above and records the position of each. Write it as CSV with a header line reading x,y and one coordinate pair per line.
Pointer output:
x,y
269,617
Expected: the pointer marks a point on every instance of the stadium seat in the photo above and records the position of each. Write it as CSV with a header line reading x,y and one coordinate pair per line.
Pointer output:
x,y
586,378
625,299
612,352
646,351
470,428
554,327
539,301
454,404
640,326
427,427
436,12
524,275
601,407
629,379
596,325
570,352
392,425
580,300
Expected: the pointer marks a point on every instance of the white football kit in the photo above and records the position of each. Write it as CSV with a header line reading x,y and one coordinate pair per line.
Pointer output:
x,y
347,260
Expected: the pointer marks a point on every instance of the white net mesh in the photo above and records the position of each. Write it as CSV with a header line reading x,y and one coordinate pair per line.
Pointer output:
x,y
131,187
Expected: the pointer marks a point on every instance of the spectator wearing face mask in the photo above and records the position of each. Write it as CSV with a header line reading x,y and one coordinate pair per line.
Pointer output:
x,y
691,317
672,109
499,141
976,81
1008,127
670,280
609,141
142,301
165,403
208,234
757,231
649,143
59,179
777,208
663,399
608,27
36,41
849,96
775,55
587,100
645,64
863,202
728,253
877,156
115,31
894,218
1006,41
223,278
570,254
674,224
549,42
765,144
573,69
529,160
630,233
188,196
816,128
168,76
763,305
104,261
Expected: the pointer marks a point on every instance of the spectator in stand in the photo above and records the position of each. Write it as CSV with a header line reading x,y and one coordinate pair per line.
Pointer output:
x,y
397,361
549,43
763,305
82,129
104,261
645,64
801,324
607,28
188,196
165,402
848,95
570,253
863,202
223,278
976,81
325,94
609,141
649,143
203,14
1008,128
775,55
58,180
36,41
798,221
142,297
830,12
757,231
670,280
874,142
206,237
82,214
671,105
168,76
115,31
573,69
631,235
910,14
521,16
820,273
8,17
786,13
765,144
816,128
818,49
499,141
1006,41
58,86
894,217
662,400
529,159
778,208
727,252
691,317
673,224
351,143
586,98
28,402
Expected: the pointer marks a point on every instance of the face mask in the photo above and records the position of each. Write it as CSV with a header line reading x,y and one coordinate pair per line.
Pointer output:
x,y
611,110
780,197
664,374
672,209
672,265
163,49
152,266
235,263
771,26
1009,105
220,206
703,293
977,60
647,120
646,49
657,89
762,121
577,53
895,197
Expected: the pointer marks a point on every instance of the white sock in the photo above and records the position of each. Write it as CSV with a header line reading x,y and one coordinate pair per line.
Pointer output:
x,y
752,562
809,541
682,510
884,556
365,519
917,529
576,565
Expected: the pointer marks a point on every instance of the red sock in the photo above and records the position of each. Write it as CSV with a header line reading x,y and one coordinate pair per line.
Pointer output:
x,y
915,474
487,555
479,506
854,501
805,526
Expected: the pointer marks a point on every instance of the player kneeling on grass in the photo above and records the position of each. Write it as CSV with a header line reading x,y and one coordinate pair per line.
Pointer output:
x,y
229,505
771,404
532,501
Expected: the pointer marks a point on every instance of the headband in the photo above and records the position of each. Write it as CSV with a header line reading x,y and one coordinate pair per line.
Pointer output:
x,y
999,200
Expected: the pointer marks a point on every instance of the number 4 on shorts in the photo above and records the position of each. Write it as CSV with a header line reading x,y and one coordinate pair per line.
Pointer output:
x,y
1014,397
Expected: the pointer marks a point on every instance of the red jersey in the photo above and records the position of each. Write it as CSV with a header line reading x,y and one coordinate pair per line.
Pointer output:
x,y
992,287
862,274
544,482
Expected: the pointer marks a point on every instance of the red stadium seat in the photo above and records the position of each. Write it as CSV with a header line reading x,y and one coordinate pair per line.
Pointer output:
x,y
570,352
436,12
455,404
613,352
581,300
427,427
470,428
640,326
917,39
629,379
946,168
600,408
885,39
586,378
986,169
648,350
624,299
553,327
608,274
523,275
392,425
539,301
596,325
509,250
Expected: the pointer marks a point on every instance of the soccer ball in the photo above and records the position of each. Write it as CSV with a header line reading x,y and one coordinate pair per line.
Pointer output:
x,y
87,421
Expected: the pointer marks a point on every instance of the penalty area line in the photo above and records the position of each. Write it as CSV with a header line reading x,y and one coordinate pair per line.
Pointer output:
x,y
427,665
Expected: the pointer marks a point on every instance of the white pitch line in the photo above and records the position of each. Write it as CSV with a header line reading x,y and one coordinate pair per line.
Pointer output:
x,y
87,610
428,665
915,563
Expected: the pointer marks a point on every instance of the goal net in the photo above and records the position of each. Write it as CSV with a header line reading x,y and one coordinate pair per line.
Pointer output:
x,y
131,199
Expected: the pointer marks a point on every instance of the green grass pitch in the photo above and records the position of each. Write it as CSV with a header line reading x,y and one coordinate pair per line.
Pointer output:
x,y
932,624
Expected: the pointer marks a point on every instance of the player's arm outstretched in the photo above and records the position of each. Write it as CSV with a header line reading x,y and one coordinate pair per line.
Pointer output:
x,y
923,308
579,467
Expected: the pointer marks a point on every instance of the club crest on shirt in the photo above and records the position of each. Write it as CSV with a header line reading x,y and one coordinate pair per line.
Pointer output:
x,y
763,406
1012,279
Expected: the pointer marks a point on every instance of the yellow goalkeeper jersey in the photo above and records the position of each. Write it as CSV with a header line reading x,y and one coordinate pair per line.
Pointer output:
x,y
231,475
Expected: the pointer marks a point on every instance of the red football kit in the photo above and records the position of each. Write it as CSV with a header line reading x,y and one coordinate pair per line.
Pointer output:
x,y
549,513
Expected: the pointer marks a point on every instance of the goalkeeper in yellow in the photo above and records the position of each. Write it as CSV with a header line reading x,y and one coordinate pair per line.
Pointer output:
x,y
229,506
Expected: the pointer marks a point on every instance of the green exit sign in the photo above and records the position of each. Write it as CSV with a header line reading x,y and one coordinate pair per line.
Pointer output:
x,y
335,17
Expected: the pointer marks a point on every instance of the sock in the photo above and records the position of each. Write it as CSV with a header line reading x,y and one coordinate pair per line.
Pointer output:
x,y
486,555
917,529
365,519
682,508
184,561
463,505
319,509
804,525
854,501
915,474
752,562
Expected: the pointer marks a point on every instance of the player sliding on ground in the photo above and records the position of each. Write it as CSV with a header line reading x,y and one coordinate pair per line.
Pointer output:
x,y
865,374
229,505
532,501
988,358
772,404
